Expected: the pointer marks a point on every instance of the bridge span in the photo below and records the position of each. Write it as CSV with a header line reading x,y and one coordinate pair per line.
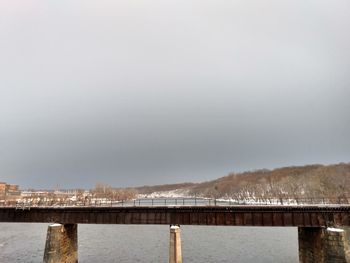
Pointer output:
x,y
323,229
298,216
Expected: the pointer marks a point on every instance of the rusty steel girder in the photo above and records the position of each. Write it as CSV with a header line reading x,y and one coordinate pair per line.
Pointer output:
x,y
298,216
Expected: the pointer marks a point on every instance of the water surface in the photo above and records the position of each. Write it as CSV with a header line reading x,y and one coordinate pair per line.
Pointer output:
x,y
149,243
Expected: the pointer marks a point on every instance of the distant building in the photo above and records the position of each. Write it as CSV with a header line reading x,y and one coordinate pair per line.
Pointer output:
x,y
9,192
27,194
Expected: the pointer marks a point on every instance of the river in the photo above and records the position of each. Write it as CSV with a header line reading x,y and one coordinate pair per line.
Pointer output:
x,y
149,243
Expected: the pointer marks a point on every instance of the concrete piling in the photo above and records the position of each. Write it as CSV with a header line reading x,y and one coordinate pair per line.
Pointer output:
x,y
61,244
175,254
323,245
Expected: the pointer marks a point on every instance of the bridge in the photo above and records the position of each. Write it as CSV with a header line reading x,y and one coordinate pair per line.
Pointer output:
x,y
322,229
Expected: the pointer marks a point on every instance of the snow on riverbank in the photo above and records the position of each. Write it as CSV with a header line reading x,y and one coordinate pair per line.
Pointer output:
x,y
177,193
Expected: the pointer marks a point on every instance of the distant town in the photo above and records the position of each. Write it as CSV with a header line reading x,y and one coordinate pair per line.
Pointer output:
x,y
10,194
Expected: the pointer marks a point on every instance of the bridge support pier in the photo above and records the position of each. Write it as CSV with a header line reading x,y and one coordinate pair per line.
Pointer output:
x,y
61,244
324,245
175,254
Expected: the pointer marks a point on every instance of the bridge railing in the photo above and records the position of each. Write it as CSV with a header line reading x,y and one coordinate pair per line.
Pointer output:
x,y
146,202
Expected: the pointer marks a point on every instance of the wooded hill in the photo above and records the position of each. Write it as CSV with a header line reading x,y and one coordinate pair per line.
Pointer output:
x,y
311,181
163,187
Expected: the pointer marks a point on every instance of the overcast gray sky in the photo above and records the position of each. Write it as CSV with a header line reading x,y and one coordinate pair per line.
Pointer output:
x,y
148,92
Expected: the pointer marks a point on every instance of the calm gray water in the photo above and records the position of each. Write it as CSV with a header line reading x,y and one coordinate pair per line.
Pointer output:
x,y
133,243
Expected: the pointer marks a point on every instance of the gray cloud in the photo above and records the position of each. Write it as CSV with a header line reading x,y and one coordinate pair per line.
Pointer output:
x,y
133,93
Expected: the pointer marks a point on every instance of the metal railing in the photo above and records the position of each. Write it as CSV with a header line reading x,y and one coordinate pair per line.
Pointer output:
x,y
147,202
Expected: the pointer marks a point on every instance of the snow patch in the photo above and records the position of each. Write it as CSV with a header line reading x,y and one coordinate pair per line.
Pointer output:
x,y
56,224
177,193
332,229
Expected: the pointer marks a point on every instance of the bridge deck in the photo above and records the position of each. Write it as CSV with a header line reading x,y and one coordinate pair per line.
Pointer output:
x,y
302,216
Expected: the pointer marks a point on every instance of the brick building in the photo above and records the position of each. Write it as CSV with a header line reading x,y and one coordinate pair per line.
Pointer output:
x,y
9,191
